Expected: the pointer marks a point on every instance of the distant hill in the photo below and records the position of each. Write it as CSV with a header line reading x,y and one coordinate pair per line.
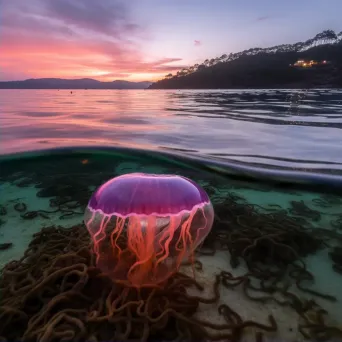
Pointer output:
x,y
60,83
271,67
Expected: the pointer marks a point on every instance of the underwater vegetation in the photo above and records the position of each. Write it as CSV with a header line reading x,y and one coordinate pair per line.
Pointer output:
x,y
58,292
67,298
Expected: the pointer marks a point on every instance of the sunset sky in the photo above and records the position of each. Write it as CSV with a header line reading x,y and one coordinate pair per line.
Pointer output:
x,y
141,40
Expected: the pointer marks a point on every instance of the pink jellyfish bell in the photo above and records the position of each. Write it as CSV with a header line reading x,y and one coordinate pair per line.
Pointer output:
x,y
143,226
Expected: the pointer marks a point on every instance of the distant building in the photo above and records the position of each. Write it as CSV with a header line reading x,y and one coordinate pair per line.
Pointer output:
x,y
302,63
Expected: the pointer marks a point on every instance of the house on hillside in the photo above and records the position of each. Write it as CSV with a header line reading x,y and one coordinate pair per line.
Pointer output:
x,y
302,63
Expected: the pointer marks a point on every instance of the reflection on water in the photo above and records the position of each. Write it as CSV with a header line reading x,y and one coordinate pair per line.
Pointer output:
x,y
285,128
271,269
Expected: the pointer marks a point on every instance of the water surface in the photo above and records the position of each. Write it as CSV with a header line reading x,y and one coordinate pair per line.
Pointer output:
x,y
293,128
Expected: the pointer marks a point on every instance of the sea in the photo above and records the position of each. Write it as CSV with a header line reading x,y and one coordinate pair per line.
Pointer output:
x,y
270,161
291,128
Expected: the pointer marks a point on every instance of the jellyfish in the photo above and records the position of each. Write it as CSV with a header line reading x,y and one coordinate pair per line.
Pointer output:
x,y
144,226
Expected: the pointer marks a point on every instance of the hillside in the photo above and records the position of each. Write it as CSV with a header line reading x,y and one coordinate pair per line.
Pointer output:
x,y
59,83
271,67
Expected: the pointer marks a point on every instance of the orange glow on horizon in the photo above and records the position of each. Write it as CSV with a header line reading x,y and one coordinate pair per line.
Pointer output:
x,y
73,41
55,58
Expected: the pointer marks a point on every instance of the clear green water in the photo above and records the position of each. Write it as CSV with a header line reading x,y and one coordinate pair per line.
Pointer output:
x,y
275,252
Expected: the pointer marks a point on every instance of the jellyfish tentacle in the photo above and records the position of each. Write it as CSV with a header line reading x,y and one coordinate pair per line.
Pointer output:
x,y
141,239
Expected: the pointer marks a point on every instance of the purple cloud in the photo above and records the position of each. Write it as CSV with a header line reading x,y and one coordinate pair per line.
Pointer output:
x,y
263,18
65,17
106,16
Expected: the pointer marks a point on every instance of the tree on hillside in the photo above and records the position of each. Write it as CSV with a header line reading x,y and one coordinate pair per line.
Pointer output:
x,y
325,37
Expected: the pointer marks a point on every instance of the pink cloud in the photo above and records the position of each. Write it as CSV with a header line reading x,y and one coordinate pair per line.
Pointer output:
x,y
79,38
197,42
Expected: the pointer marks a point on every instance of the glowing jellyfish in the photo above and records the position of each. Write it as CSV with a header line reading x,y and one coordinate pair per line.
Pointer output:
x,y
143,226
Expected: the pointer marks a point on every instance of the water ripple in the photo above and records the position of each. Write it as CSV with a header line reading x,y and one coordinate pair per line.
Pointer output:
x,y
274,127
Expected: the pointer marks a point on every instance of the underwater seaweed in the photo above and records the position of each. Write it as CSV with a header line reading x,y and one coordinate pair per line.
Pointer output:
x,y
54,292
3,210
272,245
20,207
299,208
327,201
